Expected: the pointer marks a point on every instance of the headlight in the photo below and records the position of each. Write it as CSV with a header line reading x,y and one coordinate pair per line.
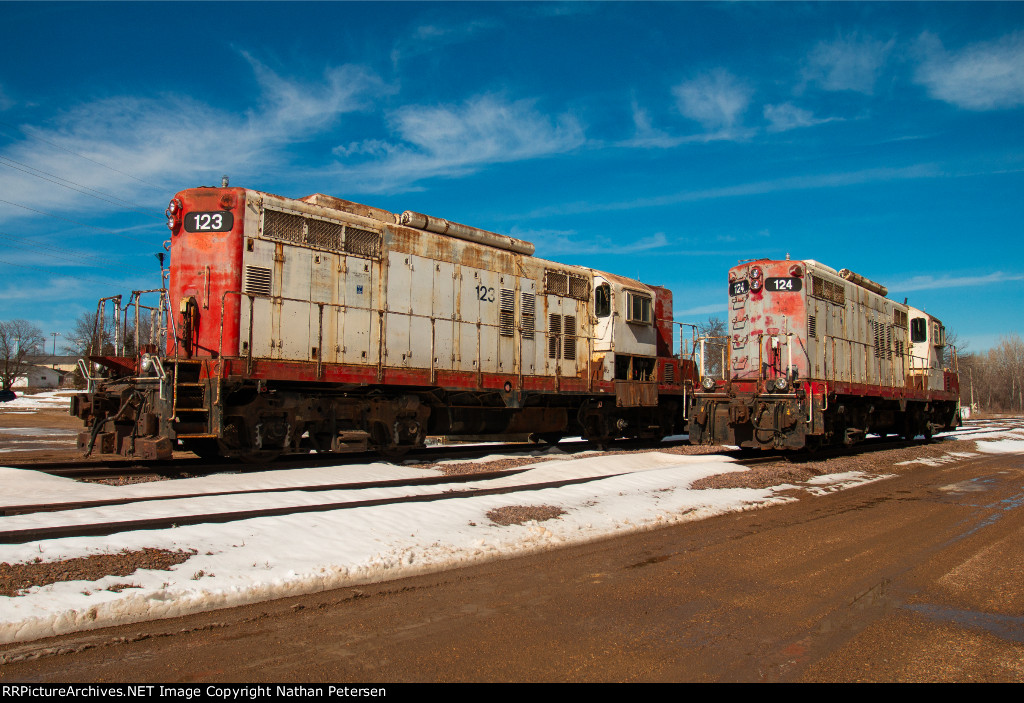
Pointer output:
x,y
146,363
708,383
781,383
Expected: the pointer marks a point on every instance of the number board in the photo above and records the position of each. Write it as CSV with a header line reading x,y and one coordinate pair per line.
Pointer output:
x,y
785,285
221,221
739,287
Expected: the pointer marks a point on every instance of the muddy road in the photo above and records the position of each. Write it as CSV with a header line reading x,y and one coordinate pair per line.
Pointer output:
x,y
913,578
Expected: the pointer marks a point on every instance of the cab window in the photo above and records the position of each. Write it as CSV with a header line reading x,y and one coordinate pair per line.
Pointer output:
x,y
603,300
918,330
638,308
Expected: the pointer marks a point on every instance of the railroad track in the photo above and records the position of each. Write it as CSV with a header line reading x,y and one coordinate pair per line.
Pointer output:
x,y
29,534
106,527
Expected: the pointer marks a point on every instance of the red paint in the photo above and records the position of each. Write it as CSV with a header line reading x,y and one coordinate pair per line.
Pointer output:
x,y
191,254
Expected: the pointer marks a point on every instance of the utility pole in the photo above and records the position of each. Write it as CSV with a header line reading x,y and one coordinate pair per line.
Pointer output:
x,y
54,335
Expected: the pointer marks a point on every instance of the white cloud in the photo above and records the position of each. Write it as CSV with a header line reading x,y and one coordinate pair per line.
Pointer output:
x,y
454,140
717,99
551,242
700,310
983,76
932,282
848,63
809,182
788,116
431,37
169,141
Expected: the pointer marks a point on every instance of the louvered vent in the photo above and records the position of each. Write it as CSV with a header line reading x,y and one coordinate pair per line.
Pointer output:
x,y
527,304
283,226
257,280
827,290
569,340
812,325
554,335
507,313
670,373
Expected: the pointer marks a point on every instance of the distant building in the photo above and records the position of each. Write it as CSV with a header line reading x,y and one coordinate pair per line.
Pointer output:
x,y
39,377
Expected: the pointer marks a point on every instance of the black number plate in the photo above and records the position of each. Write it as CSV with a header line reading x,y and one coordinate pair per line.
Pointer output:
x,y
221,221
786,285
739,287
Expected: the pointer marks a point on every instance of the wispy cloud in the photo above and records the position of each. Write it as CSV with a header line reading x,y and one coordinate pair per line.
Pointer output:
x,y
982,76
787,116
455,140
716,99
168,140
849,62
700,310
551,242
432,36
931,282
809,182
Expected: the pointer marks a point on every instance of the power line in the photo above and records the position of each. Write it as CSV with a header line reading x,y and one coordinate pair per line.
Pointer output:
x,y
76,257
78,187
75,222
56,273
81,156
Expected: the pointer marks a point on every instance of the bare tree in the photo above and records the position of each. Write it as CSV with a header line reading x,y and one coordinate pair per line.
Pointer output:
x,y
88,337
18,340
715,346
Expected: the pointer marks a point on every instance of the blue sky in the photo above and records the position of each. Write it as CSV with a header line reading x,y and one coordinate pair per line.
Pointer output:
x,y
663,141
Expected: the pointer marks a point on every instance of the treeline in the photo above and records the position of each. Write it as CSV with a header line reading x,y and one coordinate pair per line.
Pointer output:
x,y
993,380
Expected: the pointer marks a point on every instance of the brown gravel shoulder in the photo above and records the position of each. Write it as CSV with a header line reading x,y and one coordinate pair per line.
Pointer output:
x,y
799,469
15,578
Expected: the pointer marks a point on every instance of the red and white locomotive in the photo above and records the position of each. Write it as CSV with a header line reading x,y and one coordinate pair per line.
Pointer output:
x,y
322,324
818,356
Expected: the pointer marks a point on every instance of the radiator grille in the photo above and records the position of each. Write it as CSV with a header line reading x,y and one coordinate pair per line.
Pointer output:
x,y
283,226
323,234
362,242
556,283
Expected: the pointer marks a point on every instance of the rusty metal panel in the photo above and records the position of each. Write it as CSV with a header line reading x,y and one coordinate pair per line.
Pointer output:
x,y
633,394
528,333
488,296
360,321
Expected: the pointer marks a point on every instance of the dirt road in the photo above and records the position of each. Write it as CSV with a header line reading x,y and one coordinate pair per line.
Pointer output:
x,y
914,578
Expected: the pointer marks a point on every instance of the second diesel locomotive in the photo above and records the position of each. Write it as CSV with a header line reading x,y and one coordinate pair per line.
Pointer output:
x,y
818,356
319,324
